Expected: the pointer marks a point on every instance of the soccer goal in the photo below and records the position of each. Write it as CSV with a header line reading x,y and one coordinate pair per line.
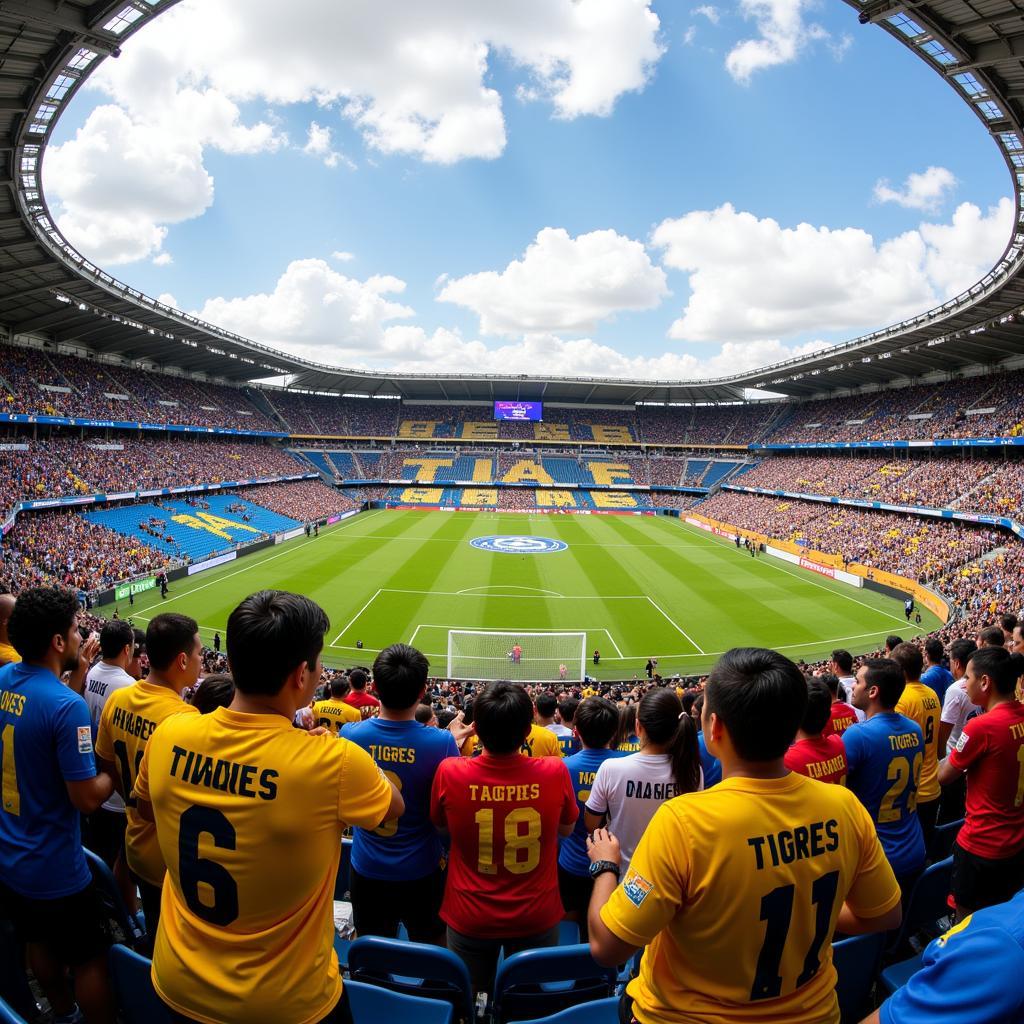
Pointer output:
x,y
527,657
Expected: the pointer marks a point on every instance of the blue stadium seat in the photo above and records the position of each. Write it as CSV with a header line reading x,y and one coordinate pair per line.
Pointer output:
x,y
717,472
568,933
941,845
373,1005
8,1016
413,969
133,988
898,975
856,961
320,463
927,903
539,982
110,894
599,1011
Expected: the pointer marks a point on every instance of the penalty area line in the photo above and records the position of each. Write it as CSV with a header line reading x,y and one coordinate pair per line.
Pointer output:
x,y
675,624
353,619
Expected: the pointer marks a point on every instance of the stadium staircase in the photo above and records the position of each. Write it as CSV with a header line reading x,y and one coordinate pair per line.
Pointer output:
x,y
261,400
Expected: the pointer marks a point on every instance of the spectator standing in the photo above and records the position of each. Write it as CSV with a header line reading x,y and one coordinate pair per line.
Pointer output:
x,y
957,710
366,704
396,869
547,706
130,716
335,712
567,716
735,929
988,855
709,764
841,714
596,722
504,813
49,780
813,754
920,703
240,939
842,666
936,675
884,755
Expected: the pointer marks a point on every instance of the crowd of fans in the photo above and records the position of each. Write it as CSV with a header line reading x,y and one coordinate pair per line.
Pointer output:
x,y
304,500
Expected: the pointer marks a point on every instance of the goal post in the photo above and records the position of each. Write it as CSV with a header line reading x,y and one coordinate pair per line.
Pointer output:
x,y
521,657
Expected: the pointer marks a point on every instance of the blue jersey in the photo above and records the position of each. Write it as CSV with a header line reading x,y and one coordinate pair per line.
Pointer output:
x,y
884,757
46,739
572,855
711,766
569,744
408,753
938,678
969,974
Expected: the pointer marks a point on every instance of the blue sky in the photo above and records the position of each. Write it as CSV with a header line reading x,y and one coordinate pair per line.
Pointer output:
x,y
625,200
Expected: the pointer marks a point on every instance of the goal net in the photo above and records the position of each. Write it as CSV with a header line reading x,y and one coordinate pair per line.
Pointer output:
x,y
527,657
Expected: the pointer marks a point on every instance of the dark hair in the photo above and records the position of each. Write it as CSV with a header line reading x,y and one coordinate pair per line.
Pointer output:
x,y
688,700
910,659
567,709
214,691
115,636
40,614
339,686
992,636
760,697
887,675
424,713
934,649
819,705
269,635
844,659
1002,667
627,723
357,678
1008,622
662,716
400,676
831,680
139,639
169,635
961,650
597,721
503,715
893,641
546,704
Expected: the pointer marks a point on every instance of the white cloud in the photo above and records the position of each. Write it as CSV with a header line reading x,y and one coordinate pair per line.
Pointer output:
x,y
343,257
167,299
752,279
710,12
561,284
689,35
318,144
163,259
924,191
784,33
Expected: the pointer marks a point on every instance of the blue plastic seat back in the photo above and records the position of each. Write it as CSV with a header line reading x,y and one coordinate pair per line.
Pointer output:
x,y
413,968
856,961
600,1011
8,1016
133,986
941,845
371,1004
928,901
110,894
540,982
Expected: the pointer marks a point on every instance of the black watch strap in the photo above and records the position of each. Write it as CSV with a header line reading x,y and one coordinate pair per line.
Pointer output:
x,y
600,867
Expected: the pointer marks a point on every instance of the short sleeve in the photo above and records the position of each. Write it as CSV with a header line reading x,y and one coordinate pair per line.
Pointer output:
x,y
72,725
656,884
141,788
971,744
951,988
597,802
875,890
364,794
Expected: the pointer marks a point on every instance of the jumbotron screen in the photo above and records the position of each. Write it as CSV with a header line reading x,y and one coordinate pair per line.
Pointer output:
x,y
532,411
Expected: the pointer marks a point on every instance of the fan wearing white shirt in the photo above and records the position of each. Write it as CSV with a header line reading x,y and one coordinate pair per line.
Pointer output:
x,y
628,790
842,666
957,710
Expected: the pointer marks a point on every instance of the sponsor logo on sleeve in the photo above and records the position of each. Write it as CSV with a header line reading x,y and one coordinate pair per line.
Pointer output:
x,y
636,888
84,739
961,742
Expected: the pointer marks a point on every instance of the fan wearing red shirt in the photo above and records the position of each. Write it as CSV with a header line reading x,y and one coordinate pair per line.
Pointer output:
x,y
988,855
366,705
504,813
841,714
812,754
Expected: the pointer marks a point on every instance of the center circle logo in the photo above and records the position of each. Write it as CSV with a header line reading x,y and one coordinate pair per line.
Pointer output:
x,y
516,545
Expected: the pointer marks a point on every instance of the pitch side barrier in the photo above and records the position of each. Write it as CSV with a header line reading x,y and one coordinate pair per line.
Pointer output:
x,y
834,567
174,428
122,497
939,442
527,484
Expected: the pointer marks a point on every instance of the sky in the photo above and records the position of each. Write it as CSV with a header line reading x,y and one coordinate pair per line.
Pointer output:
x,y
625,188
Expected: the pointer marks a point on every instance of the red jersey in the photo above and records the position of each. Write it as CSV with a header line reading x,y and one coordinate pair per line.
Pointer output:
x,y
363,702
843,716
503,814
990,751
822,758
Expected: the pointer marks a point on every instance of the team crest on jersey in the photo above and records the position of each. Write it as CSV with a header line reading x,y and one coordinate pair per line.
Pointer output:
x,y
518,545
84,739
636,888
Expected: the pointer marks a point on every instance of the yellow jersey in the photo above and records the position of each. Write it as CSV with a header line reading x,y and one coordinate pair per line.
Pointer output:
x,y
334,714
540,743
249,815
736,889
8,655
129,718
921,704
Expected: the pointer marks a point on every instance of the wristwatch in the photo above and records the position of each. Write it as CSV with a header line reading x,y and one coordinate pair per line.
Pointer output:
x,y
599,867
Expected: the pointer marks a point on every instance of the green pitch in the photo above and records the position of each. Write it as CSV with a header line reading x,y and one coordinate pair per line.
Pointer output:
x,y
638,586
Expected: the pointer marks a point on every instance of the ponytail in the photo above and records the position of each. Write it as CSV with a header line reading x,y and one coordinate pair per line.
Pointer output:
x,y
666,724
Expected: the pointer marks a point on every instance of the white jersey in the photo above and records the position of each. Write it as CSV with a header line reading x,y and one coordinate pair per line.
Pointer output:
x,y
957,710
100,683
559,730
629,790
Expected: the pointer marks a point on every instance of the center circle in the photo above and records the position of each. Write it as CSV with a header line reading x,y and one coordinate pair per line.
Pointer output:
x,y
517,544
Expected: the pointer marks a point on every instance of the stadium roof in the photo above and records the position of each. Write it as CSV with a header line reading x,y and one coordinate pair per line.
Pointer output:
x,y
48,289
